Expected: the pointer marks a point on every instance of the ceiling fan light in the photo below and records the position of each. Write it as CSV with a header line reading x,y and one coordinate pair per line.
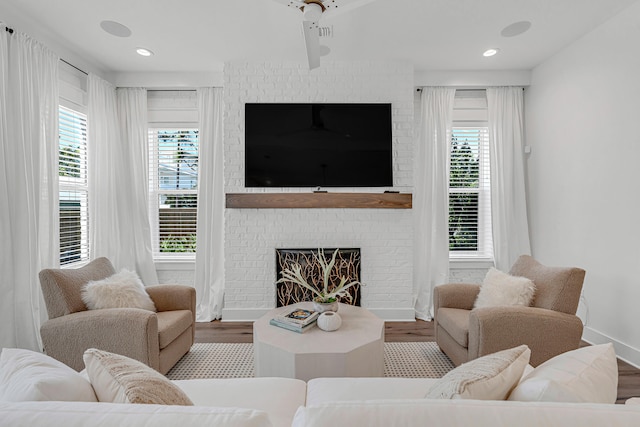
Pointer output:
x,y
312,12
324,50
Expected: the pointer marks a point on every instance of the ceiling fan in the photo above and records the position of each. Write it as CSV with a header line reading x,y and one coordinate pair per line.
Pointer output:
x,y
312,12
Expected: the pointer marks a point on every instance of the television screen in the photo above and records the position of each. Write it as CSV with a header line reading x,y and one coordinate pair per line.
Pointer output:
x,y
318,145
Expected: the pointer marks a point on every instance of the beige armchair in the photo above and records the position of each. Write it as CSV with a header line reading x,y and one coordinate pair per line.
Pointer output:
x,y
549,326
156,339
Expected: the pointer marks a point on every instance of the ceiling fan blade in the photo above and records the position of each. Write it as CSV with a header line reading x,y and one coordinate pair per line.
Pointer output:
x,y
334,8
295,4
312,42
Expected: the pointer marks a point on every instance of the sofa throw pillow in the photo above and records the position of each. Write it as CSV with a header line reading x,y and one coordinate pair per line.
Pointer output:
x,y
490,377
120,379
586,375
500,289
27,375
121,290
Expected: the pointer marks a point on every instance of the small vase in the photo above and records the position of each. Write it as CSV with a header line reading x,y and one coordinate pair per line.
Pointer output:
x,y
329,321
321,307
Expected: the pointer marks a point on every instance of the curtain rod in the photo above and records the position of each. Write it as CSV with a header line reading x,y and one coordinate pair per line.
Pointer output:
x,y
73,66
419,89
10,31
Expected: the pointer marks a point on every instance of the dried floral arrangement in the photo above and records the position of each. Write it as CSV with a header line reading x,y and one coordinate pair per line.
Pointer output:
x,y
314,277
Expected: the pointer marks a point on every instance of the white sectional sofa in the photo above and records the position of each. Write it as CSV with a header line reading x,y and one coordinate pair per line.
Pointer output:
x,y
262,402
577,383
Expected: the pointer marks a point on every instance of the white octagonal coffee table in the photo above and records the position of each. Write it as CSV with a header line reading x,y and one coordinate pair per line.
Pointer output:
x,y
354,350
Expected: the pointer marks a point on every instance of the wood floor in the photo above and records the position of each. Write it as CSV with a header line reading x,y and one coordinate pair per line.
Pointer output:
x,y
242,332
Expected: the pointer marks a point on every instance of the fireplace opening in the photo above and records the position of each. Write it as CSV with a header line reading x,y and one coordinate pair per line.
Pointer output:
x,y
347,264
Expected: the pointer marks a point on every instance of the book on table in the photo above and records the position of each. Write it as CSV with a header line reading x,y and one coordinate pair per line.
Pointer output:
x,y
298,316
297,319
291,326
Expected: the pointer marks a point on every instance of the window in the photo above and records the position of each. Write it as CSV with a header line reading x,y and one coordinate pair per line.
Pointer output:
x,y
73,189
173,172
469,180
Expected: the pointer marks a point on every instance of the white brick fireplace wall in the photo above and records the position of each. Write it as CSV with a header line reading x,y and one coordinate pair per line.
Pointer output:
x,y
385,236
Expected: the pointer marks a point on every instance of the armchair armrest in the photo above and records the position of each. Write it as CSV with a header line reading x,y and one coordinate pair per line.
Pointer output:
x,y
131,332
173,297
493,329
455,295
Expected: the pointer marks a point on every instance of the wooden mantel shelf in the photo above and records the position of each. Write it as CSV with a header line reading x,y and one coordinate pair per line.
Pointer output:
x,y
319,200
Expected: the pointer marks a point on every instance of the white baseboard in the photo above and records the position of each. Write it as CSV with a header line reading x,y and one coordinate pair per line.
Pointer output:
x,y
623,351
243,314
251,314
395,314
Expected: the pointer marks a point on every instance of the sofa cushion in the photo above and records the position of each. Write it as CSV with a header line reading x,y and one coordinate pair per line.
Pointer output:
x,y
120,290
588,374
322,390
463,413
120,379
456,322
171,324
490,377
500,289
27,375
97,414
279,397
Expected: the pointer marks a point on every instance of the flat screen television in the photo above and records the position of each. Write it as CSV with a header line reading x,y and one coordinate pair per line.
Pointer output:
x,y
318,145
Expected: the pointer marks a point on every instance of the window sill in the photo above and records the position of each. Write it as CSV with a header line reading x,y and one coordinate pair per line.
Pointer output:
x,y
470,263
160,264
77,264
163,264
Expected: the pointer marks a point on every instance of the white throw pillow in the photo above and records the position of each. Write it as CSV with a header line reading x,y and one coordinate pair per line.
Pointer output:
x,y
121,290
490,377
26,375
588,374
500,289
120,379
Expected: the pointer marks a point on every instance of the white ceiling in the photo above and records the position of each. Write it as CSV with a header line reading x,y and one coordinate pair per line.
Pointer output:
x,y
201,35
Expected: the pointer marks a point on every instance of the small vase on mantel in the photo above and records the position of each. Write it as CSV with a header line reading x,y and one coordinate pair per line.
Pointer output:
x,y
321,307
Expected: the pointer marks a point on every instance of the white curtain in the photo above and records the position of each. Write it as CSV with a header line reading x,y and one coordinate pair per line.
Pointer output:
x,y
431,197
209,275
29,224
508,199
118,178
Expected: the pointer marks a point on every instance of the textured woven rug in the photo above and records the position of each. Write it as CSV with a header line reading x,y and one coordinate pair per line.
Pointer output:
x,y
227,360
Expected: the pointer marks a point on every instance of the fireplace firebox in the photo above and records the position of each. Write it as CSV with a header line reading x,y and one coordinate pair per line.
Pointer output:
x,y
347,264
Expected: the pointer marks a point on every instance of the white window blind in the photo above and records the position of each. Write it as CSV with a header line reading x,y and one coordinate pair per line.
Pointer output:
x,y
73,188
469,179
469,194
173,173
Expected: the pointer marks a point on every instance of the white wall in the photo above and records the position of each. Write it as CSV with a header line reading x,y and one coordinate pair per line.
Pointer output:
x,y
582,110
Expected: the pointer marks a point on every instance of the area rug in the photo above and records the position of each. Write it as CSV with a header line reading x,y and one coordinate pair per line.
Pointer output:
x,y
230,360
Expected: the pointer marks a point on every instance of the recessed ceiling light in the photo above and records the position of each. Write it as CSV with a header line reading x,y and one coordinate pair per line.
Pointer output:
x,y
516,29
144,52
490,52
115,28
